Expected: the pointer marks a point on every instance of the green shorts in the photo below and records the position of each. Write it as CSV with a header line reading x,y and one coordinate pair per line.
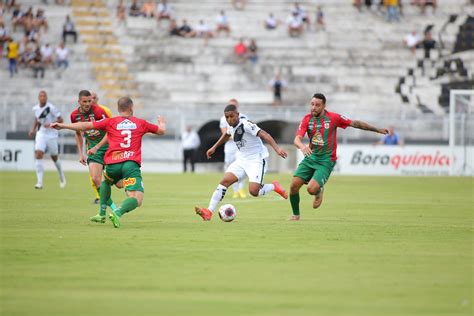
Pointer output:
x,y
129,172
98,157
310,169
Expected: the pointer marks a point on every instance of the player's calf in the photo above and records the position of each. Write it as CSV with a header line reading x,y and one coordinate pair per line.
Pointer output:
x,y
318,199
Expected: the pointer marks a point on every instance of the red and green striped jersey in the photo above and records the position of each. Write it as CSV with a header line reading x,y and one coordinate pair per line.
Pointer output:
x,y
96,113
322,132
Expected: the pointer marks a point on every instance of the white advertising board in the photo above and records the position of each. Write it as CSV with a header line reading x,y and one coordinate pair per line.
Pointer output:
x,y
17,154
400,160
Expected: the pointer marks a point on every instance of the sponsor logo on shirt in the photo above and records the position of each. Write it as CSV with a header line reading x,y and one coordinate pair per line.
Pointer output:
x,y
240,143
119,155
317,139
126,124
129,181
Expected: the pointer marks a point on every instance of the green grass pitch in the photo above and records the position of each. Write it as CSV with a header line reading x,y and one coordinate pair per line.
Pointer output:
x,y
377,246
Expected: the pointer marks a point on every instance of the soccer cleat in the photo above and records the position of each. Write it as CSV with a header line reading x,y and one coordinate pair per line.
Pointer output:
x,y
205,213
280,190
38,186
318,198
294,218
98,218
62,183
242,194
115,219
96,201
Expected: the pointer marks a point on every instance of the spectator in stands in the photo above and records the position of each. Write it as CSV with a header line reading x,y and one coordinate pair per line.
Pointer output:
x,y
17,17
40,20
301,13
412,41
391,138
277,85
13,52
148,9
295,25
424,3
320,19
134,9
253,52
164,10
62,54
173,28
240,52
392,10
223,23
2,12
271,22
428,44
191,142
37,63
3,37
186,30
47,54
238,4
121,13
203,30
357,4
69,29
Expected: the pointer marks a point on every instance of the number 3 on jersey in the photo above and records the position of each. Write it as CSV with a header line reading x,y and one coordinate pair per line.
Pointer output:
x,y
127,139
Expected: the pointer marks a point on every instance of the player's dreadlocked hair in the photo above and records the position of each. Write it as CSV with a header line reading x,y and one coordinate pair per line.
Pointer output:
x,y
230,108
320,96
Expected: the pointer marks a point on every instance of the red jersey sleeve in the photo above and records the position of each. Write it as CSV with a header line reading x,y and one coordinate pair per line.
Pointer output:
x,y
342,121
102,125
149,127
303,127
73,117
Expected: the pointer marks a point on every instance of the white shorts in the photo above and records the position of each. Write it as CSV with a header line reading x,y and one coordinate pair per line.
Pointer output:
x,y
255,169
44,143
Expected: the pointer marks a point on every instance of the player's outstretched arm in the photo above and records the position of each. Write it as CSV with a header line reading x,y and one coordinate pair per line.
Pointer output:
x,y
367,127
269,140
306,150
224,138
161,125
78,126
33,128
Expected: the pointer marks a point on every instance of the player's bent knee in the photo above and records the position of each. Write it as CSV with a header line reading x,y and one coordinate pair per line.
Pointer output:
x,y
313,190
254,192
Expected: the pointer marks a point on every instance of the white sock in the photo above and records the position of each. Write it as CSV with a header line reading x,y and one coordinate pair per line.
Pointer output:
x,y
57,163
217,196
235,187
265,189
39,170
241,184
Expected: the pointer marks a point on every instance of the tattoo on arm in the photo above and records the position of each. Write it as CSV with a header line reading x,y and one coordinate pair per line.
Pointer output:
x,y
364,126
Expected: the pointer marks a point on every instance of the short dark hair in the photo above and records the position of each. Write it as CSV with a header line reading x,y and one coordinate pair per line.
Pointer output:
x,y
124,104
230,108
84,93
320,96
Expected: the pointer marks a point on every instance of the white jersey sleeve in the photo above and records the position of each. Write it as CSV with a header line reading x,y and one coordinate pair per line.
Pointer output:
x,y
251,128
223,122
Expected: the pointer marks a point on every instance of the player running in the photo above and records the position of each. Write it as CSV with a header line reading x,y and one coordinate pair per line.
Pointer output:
x,y
123,157
231,151
89,112
251,161
46,138
320,155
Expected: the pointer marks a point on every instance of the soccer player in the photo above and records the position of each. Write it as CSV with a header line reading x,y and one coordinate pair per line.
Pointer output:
x,y
46,137
251,161
89,112
230,151
108,113
320,154
123,157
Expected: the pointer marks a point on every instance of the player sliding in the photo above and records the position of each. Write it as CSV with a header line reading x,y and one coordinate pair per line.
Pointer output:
x,y
320,154
123,157
251,160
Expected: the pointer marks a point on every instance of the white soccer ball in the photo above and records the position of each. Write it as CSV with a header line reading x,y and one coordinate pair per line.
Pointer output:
x,y
227,212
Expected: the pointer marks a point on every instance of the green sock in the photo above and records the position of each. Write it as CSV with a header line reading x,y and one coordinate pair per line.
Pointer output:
x,y
295,203
104,193
127,206
111,204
